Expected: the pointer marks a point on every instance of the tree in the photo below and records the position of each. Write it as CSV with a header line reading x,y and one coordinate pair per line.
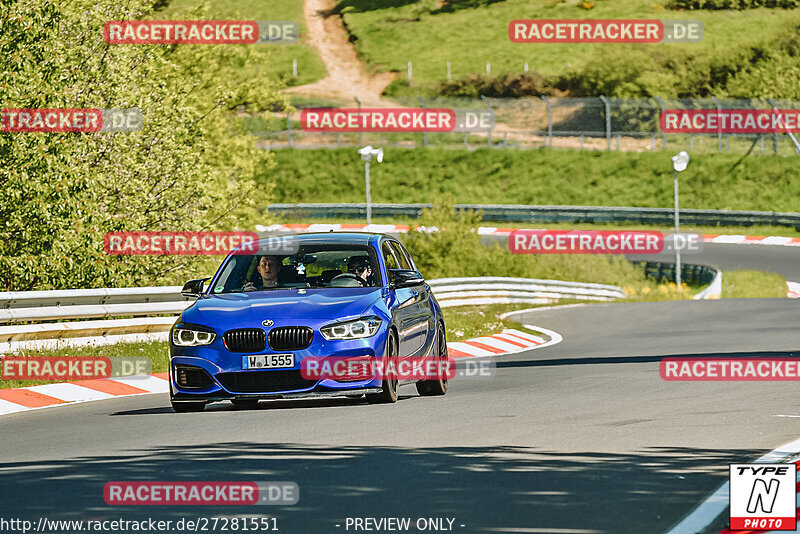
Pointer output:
x,y
190,167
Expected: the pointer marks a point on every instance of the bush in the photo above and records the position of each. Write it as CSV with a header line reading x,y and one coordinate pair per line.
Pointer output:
x,y
732,4
457,250
778,78
508,85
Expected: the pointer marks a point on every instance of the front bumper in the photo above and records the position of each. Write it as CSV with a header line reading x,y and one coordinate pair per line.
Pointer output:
x,y
182,397
225,379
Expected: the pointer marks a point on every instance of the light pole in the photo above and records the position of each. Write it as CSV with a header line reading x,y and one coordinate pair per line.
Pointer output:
x,y
366,154
679,164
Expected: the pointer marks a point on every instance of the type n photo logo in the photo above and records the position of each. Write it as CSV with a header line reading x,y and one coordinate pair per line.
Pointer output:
x,y
763,496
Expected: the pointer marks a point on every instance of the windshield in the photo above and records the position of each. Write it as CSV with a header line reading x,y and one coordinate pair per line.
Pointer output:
x,y
319,266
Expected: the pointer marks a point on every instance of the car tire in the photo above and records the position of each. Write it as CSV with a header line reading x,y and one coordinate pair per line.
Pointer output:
x,y
187,407
432,388
389,385
245,404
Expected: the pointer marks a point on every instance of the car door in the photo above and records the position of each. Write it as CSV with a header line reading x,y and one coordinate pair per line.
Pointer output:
x,y
423,327
417,326
402,307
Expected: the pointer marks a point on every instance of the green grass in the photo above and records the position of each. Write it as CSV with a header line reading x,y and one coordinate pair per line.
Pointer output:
x,y
472,36
156,351
466,322
275,60
755,230
541,177
752,284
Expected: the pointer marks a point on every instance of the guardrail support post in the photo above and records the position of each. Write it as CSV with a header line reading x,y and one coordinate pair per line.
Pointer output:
x,y
549,119
774,134
719,128
360,133
608,122
369,200
489,110
663,133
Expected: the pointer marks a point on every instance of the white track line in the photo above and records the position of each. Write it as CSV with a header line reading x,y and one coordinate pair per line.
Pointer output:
x,y
555,337
543,308
707,511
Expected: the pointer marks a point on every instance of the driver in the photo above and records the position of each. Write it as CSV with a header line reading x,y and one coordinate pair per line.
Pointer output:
x,y
360,266
268,268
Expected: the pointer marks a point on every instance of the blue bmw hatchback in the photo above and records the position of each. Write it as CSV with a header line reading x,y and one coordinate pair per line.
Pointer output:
x,y
315,296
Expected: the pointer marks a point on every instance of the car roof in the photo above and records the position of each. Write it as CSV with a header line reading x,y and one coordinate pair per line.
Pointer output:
x,y
333,238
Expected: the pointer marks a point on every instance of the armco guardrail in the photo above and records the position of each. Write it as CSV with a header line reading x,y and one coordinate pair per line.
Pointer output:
x,y
552,214
30,307
690,273
494,290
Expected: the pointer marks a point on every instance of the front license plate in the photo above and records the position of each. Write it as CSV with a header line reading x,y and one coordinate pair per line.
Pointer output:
x,y
268,361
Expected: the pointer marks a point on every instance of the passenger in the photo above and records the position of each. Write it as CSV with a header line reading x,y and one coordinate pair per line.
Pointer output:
x,y
360,266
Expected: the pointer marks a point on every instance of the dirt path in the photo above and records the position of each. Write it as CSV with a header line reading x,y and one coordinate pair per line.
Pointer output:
x,y
347,77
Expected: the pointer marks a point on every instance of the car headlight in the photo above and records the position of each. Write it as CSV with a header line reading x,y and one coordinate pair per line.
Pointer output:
x,y
358,329
186,337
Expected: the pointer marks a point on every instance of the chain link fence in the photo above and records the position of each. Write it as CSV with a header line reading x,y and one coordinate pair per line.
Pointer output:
x,y
577,123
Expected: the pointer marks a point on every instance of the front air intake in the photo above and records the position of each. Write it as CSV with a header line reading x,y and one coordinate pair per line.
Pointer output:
x,y
245,340
290,337
192,377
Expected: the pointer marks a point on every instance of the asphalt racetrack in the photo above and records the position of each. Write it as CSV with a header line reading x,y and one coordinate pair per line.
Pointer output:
x,y
579,437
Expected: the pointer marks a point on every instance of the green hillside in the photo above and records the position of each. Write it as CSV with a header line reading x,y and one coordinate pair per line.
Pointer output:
x,y
745,52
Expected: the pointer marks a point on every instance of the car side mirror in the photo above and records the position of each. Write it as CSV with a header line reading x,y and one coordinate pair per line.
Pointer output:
x,y
400,278
194,288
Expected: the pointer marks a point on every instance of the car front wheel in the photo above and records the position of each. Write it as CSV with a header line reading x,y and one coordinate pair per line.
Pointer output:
x,y
430,388
389,385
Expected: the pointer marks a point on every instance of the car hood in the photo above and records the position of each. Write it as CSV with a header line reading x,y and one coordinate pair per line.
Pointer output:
x,y
283,306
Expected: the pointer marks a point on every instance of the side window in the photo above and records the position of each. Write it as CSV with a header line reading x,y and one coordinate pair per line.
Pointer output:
x,y
400,254
388,257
